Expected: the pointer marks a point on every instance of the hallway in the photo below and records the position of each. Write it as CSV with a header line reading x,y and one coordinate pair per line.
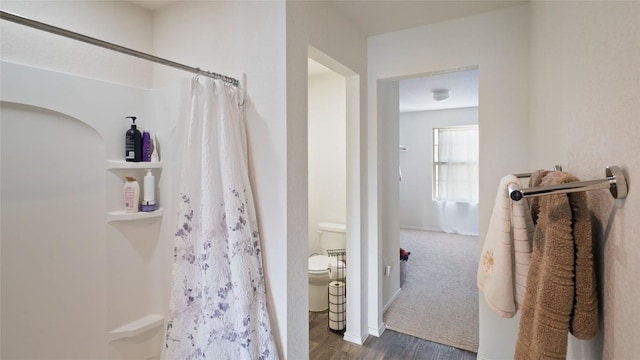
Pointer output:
x,y
328,345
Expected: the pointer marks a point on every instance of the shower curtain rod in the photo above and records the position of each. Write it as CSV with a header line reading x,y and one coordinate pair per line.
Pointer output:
x,y
107,45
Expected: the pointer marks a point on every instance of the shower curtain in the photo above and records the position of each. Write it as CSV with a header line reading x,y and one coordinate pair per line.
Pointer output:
x,y
218,304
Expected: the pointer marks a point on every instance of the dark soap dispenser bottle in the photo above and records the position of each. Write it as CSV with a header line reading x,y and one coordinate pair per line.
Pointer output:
x,y
133,142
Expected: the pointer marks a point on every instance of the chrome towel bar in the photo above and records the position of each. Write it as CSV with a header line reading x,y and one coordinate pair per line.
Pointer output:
x,y
526,175
615,181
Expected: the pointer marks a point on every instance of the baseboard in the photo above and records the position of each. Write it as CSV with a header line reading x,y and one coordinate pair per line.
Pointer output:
x,y
406,227
393,298
355,339
377,332
480,356
434,230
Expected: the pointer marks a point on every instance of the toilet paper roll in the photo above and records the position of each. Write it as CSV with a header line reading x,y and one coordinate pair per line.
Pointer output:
x,y
337,305
336,325
337,316
337,308
337,288
337,299
339,319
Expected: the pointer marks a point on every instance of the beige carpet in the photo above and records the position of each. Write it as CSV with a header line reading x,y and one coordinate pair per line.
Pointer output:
x,y
439,298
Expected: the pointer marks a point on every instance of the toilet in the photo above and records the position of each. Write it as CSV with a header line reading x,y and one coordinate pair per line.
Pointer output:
x,y
323,268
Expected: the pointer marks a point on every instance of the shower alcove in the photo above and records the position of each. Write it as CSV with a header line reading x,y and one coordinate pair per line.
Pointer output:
x,y
80,279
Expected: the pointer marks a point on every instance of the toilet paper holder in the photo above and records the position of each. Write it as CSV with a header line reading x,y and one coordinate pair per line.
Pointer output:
x,y
338,291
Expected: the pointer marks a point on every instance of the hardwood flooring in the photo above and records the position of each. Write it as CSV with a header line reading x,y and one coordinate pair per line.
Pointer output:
x,y
325,344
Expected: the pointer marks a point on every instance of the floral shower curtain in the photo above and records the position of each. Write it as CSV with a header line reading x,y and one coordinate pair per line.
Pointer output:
x,y
218,306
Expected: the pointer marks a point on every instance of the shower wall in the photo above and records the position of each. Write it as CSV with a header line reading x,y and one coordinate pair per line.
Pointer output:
x,y
226,37
118,22
70,276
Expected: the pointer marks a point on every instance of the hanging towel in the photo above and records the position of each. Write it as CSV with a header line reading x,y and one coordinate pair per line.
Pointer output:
x,y
504,262
561,292
534,202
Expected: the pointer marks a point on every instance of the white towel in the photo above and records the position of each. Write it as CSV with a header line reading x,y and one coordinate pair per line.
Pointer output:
x,y
504,260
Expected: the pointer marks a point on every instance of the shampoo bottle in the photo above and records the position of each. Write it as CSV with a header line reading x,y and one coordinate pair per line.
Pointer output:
x,y
133,142
147,146
148,200
131,195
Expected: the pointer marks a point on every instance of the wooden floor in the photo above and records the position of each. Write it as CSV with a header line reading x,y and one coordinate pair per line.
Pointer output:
x,y
325,344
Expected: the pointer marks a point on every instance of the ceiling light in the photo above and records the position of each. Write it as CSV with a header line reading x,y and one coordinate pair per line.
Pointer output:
x,y
440,95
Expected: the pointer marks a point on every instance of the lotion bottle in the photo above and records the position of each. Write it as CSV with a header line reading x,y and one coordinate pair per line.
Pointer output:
x,y
148,200
131,195
133,142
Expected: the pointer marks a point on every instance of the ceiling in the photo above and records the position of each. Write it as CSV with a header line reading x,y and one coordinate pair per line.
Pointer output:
x,y
374,17
379,17
416,94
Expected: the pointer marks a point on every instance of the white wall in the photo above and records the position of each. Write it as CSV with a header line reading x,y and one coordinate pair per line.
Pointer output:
x,y
316,30
588,53
417,208
388,197
327,153
496,42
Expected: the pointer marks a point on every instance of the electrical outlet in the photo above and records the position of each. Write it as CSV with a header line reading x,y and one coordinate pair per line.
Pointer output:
x,y
387,267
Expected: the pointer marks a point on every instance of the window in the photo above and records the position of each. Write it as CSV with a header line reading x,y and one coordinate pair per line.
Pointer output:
x,y
455,164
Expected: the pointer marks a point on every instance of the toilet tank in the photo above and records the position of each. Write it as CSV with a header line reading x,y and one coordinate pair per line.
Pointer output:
x,y
332,236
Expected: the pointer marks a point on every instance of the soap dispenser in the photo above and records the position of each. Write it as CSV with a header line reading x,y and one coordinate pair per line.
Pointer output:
x,y
149,198
133,142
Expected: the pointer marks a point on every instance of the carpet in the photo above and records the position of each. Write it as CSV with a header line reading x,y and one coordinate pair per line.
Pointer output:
x,y
439,298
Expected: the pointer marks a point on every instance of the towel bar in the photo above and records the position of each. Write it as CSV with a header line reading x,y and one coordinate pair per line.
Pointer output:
x,y
615,182
526,175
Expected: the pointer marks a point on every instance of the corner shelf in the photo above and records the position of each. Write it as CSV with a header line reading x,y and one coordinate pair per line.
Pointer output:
x,y
136,327
122,164
123,216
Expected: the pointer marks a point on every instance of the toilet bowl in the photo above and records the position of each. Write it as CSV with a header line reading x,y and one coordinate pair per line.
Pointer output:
x,y
322,268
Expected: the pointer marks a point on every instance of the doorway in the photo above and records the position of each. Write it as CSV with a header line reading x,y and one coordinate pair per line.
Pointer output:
x,y
439,189
437,205
343,123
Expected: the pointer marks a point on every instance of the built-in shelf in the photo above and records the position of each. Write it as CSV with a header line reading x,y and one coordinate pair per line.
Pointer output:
x,y
124,216
122,164
130,165
136,327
